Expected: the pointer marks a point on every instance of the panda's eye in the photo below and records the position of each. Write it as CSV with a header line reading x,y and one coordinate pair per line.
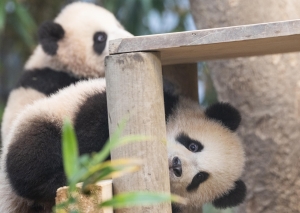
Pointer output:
x,y
100,37
193,147
191,144
99,42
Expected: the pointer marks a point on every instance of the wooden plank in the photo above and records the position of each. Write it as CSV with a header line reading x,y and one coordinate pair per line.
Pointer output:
x,y
134,91
218,43
185,76
100,192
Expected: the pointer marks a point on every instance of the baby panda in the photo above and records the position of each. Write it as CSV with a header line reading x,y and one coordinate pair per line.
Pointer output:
x,y
206,158
71,48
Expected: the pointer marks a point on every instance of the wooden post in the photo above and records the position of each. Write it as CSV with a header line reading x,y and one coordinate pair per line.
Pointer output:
x,y
134,90
185,76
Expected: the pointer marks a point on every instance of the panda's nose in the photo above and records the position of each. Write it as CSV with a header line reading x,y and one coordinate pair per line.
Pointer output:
x,y
176,166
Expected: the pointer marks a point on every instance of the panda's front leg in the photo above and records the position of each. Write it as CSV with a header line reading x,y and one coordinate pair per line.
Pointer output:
x,y
33,161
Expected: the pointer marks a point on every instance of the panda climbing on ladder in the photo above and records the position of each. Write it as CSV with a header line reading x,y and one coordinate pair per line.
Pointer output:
x,y
71,48
206,157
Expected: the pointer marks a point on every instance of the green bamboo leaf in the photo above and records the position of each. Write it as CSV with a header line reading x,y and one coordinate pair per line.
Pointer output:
x,y
115,168
83,165
141,198
115,165
116,139
113,141
69,149
84,160
78,177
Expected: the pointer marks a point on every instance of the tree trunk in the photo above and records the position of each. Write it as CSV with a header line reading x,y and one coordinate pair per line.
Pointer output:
x,y
266,90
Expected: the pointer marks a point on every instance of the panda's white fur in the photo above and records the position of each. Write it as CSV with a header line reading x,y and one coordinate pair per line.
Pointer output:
x,y
222,156
75,55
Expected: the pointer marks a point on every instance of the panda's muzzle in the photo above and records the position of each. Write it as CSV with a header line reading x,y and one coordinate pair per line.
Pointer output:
x,y
176,166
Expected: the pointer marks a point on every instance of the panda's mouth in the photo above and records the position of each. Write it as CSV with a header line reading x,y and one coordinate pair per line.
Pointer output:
x,y
176,167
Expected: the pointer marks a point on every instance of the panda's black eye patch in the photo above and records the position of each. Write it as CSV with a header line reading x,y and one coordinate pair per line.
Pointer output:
x,y
199,178
190,144
99,42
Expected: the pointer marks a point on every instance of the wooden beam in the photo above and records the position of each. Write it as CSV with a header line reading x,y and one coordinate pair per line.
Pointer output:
x,y
219,43
134,91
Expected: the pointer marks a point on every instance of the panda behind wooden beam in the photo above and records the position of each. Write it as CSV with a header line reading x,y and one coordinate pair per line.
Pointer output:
x,y
206,157
71,48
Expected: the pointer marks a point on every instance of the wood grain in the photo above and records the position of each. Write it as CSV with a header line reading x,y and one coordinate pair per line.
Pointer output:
x,y
218,43
134,91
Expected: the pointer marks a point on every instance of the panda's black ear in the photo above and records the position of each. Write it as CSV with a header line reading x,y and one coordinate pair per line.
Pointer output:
x,y
225,113
49,34
232,198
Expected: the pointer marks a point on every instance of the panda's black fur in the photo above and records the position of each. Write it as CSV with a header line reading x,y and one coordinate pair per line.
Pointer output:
x,y
49,35
33,160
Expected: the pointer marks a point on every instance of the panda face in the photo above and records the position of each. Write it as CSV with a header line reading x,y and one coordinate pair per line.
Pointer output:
x,y
205,158
77,40
85,44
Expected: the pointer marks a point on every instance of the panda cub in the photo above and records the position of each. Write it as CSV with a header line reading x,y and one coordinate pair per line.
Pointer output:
x,y
206,158
71,48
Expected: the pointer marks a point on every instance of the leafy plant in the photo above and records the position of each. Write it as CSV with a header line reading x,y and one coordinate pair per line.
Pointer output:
x,y
90,169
